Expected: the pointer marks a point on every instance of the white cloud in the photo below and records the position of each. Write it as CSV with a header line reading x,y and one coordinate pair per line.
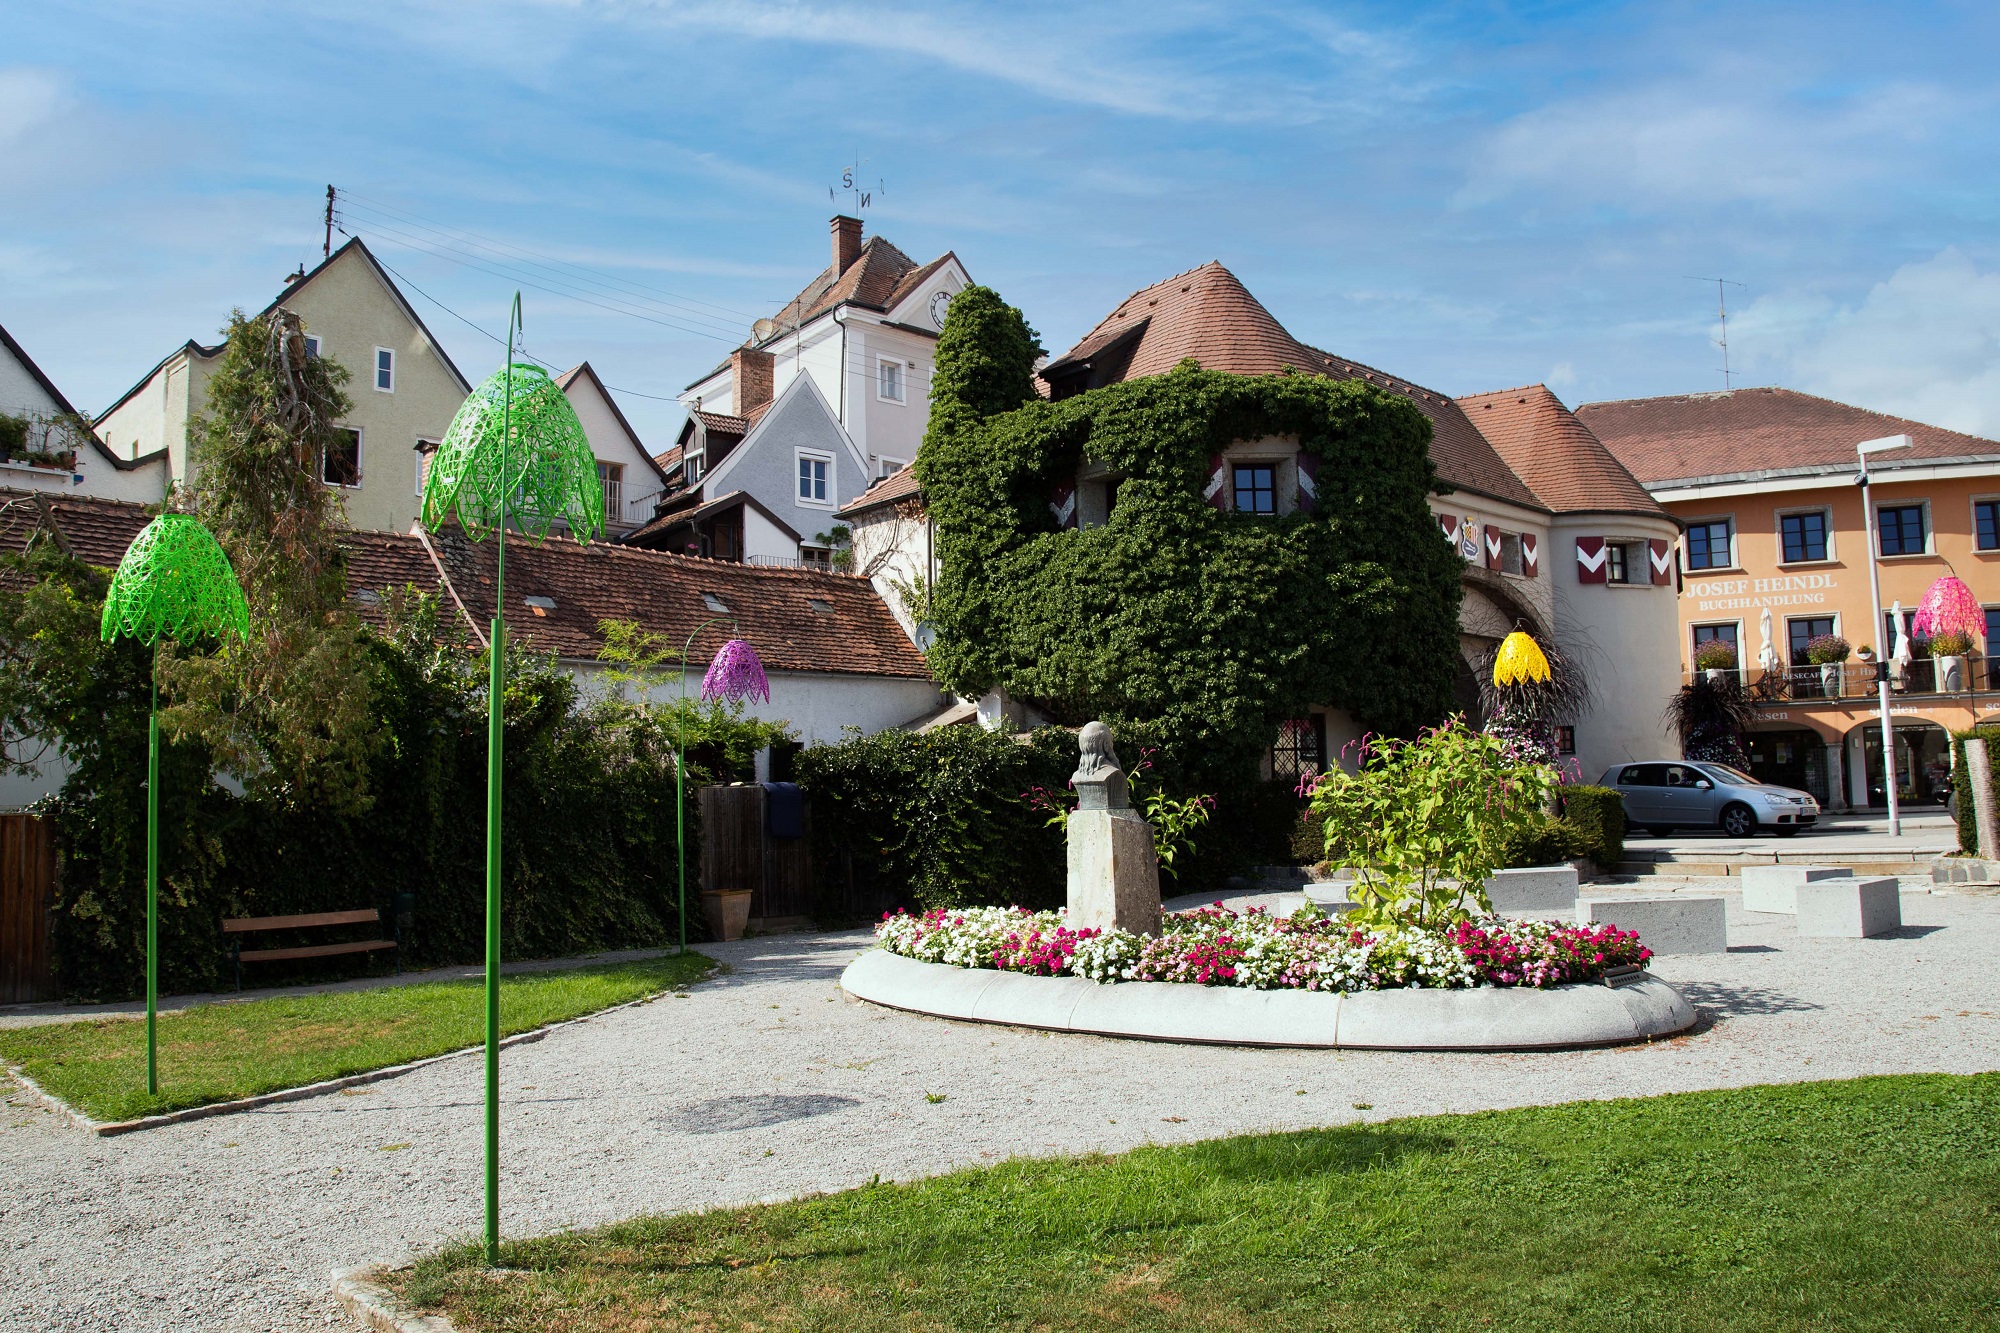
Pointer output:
x,y
1721,137
1924,344
29,100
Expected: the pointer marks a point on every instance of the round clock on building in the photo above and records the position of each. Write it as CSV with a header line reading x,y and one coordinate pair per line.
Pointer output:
x,y
939,304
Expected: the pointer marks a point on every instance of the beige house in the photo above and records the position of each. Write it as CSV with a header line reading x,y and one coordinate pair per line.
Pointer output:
x,y
403,387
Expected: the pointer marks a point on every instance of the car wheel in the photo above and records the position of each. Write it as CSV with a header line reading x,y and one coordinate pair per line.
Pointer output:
x,y
1739,821
1660,830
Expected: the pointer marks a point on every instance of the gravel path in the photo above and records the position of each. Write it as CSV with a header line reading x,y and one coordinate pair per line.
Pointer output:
x,y
766,1084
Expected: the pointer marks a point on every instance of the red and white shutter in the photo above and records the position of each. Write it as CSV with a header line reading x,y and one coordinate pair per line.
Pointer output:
x,y
1495,545
1217,490
1063,506
1448,524
1308,481
1592,560
1660,555
1531,555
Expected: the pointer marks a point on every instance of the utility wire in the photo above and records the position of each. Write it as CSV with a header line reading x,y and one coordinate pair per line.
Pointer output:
x,y
540,259
546,365
493,268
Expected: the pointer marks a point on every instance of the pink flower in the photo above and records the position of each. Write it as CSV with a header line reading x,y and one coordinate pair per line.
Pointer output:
x,y
735,673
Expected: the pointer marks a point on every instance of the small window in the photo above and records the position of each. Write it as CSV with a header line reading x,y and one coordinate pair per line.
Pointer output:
x,y
819,607
816,557
890,467
691,470
1510,553
714,603
385,370
1708,545
1986,524
1902,529
889,386
1566,740
815,479
1256,489
312,346
541,606
1300,751
342,464
1803,535
1617,563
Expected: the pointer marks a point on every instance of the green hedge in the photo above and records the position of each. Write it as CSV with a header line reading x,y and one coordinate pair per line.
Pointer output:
x,y
1968,827
1598,816
935,819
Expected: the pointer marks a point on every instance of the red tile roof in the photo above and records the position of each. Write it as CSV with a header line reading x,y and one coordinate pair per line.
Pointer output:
x,y
1755,432
854,633
1562,462
898,485
878,279
1207,314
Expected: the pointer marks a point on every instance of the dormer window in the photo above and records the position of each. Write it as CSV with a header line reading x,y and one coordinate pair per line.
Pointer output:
x,y
691,470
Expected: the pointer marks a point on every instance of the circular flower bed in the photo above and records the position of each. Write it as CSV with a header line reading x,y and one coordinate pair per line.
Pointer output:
x,y
1213,946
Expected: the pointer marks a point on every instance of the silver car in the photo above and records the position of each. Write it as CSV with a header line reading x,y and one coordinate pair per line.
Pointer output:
x,y
1662,797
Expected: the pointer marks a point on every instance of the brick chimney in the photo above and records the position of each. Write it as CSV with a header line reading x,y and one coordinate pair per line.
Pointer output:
x,y
750,375
846,243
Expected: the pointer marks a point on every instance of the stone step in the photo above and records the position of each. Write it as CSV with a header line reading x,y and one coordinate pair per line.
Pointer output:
x,y
1870,864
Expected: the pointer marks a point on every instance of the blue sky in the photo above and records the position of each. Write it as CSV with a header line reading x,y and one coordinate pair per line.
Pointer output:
x,y
1470,196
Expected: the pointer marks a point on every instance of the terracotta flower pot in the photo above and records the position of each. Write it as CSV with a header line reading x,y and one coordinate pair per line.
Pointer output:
x,y
727,910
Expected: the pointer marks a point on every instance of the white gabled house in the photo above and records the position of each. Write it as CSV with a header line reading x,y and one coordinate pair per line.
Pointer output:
x,y
633,481
822,401
56,451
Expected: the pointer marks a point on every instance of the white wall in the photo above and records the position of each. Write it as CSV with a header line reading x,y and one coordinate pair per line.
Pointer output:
x,y
763,539
610,442
895,552
1627,639
818,706
21,394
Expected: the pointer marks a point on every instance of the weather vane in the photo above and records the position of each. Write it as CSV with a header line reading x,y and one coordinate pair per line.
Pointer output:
x,y
859,196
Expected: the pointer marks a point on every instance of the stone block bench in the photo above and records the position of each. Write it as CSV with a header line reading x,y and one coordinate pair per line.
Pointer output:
x,y
1851,909
1534,891
1668,925
1776,888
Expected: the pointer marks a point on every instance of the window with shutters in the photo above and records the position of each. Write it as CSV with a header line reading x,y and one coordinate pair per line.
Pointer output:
x,y
1256,489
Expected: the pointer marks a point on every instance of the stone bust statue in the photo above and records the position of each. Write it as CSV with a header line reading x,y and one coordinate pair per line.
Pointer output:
x,y
1099,781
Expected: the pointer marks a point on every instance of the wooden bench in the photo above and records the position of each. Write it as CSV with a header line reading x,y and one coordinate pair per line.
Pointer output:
x,y
253,925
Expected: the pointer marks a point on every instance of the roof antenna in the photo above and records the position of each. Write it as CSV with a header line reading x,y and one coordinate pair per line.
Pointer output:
x,y
1721,314
326,248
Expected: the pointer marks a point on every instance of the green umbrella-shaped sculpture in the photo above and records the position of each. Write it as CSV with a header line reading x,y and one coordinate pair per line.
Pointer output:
x,y
174,582
515,454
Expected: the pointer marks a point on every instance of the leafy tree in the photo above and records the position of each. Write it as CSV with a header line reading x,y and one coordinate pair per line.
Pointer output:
x,y
288,710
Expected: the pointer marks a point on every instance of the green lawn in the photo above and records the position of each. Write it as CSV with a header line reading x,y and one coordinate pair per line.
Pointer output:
x,y
215,1052
1872,1204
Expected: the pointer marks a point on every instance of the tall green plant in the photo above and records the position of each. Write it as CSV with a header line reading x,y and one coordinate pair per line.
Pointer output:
x,y
287,709
1423,823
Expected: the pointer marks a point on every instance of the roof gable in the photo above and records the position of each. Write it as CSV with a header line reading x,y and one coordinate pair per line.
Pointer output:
x,y
359,250
584,378
801,395
1207,315
1565,465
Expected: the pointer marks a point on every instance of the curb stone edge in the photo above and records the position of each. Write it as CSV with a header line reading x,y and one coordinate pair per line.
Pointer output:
x,y
374,1306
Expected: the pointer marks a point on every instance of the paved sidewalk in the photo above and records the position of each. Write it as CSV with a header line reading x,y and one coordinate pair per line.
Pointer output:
x,y
766,1083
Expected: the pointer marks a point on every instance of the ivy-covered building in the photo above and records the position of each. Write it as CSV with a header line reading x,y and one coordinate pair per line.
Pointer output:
x,y
1519,491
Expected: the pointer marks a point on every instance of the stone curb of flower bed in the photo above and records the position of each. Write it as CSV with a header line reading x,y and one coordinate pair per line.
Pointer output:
x,y
1484,1018
375,1307
110,1128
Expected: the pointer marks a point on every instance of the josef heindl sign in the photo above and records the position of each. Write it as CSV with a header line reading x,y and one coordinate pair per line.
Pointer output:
x,y
1749,594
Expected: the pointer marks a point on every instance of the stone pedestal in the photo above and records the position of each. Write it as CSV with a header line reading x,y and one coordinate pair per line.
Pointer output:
x,y
1853,909
1114,871
1667,925
1114,874
1776,888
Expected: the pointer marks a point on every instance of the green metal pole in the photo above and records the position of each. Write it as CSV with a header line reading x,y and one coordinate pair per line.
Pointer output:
x,y
495,695
153,886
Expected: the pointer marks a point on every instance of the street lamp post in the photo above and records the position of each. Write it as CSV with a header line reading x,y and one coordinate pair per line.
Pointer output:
x,y
1889,783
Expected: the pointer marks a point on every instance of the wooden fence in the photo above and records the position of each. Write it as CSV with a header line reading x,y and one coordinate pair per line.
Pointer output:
x,y
27,896
737,853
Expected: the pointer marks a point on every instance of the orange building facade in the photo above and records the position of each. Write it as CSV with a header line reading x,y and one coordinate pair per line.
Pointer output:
x,y
1774,553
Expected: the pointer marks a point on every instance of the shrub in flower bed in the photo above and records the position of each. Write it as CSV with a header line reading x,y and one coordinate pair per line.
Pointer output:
x,y
1213,946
